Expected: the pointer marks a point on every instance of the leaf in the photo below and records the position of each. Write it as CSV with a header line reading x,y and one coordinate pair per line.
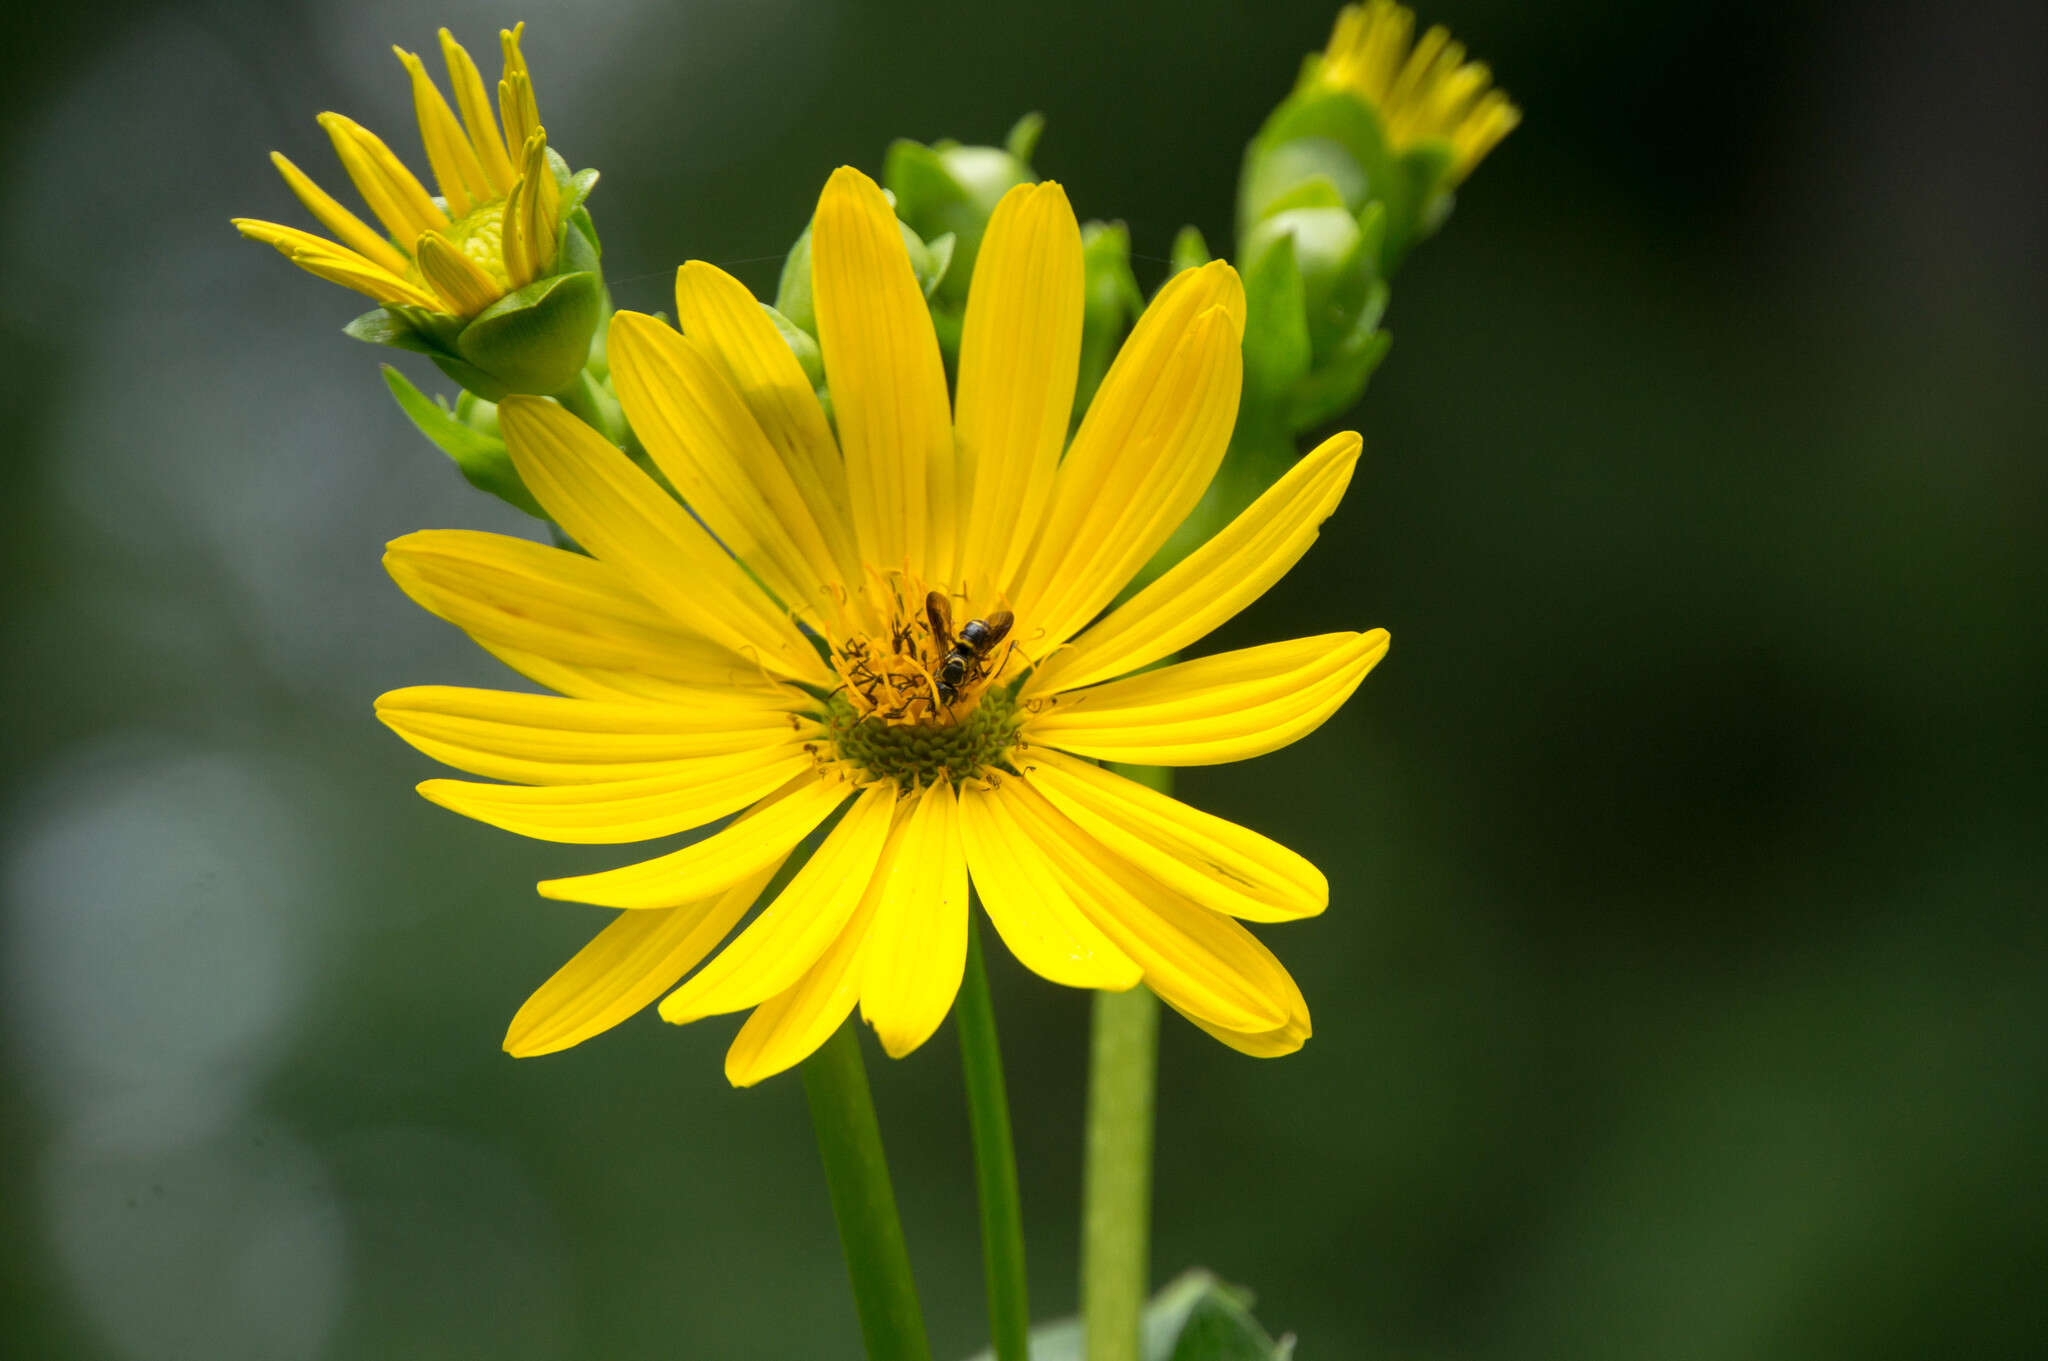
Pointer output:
x,y
481,457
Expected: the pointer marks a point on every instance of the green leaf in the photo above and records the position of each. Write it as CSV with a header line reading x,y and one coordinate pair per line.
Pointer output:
x,y
1189,251
939,258
382,326
1194,1318
481,457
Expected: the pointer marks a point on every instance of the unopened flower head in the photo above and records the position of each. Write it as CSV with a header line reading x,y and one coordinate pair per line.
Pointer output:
x,y
1423,93
495,225
916,669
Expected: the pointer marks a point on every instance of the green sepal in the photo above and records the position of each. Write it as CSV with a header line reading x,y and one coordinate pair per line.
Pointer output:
x,y
382,326
1277,351
1189,251
1021,141
535,339
808,357
1194,1318
1110,302
1339,381
1330,256
481,457
938,260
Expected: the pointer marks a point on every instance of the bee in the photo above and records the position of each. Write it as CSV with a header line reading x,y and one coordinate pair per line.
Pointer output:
x,y
967,654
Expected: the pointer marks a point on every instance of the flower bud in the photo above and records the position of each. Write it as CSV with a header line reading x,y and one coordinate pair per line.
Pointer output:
x,y
495,277
949,188
1377,118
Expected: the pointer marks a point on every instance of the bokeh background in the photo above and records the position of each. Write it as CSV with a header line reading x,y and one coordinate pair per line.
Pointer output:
x,y
1685,991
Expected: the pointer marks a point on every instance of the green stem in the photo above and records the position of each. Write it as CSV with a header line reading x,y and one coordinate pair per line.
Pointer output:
x,y
995,1162
1116,1188
863,1203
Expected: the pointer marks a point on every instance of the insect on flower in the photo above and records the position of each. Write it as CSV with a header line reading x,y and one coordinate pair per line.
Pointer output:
x,y
967,657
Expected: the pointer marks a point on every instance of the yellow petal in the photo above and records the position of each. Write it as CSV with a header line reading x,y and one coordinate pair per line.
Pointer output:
x,y
1214,862
475,103
1033,912
624,968
545,739
1020,350
464,288
1204,963
788,1028
456,168
888,383
1264,1044
358,235
567,609
1144,454
1214,582
716,310
618,513
791,932
605,684
916,950
674,796
400,201
716,863
516,108
715,455
336,264
530,222
1229,707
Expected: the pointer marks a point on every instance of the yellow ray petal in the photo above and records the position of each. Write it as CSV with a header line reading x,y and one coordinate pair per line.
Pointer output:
x,y
1205,963
618,513
1214,582
1145,452
788,1028
1228,707
715,455
1037,918
337,264
545,739
624,968
464,288
672,797
715,309
475,103
916,950
565,608
456,168
1264,1044
1020,351
888,383
717,862
607,685
531,215
1211,861
400,201
358,235
516,107
790,933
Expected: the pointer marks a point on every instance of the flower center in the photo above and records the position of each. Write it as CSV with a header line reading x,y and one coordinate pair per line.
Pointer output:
x,y
919,701
481,237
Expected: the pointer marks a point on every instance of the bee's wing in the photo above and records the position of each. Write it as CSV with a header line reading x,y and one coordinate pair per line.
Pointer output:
x,y
939,610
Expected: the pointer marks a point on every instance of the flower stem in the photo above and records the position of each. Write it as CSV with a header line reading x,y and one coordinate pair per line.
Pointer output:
x,y
863,1202
1116,1187
995,1162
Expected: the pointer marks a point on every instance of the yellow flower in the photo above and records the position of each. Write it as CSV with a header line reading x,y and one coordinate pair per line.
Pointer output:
x,y
494,227
1427,93
838,671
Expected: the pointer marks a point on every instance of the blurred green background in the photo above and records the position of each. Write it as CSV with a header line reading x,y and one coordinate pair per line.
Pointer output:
x,y
1684,988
